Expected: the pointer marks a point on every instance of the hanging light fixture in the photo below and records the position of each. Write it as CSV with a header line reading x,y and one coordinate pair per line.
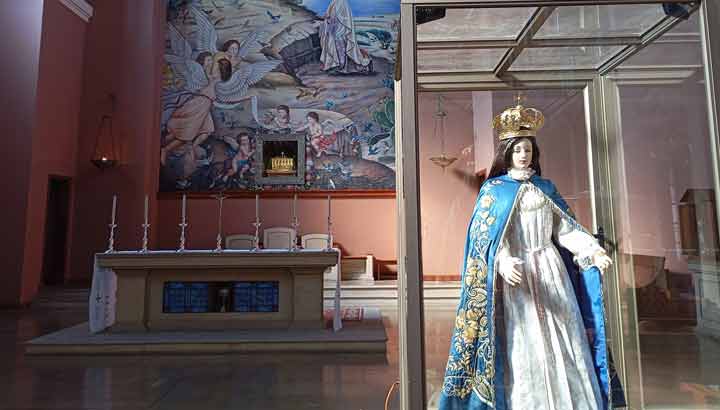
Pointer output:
x,y
443,161
105,155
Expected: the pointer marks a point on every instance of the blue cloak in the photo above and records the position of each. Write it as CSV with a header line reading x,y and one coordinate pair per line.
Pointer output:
x,y
474,377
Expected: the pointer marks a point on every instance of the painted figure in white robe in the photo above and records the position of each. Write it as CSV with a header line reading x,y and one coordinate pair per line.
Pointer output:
x,y
340,50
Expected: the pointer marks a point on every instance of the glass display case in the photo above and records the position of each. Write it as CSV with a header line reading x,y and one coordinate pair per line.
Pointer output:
x,y
628,90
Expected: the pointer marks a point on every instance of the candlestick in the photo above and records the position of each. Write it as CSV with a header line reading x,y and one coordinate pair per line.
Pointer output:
x,y
146,227
256,240
146,209
114,209
220,198
294,206
183,224
112,226
184,204
329,226
257,206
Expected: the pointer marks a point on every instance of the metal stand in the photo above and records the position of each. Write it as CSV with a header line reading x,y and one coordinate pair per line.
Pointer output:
x,y
182,226
256,240
218,247
295,225
111,239
146,227
330,235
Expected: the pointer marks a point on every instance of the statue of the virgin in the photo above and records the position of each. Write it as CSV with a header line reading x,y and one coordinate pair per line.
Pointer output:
x,y
529,332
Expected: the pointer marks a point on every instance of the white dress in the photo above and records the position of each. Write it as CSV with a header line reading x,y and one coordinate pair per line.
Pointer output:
x,y
548,360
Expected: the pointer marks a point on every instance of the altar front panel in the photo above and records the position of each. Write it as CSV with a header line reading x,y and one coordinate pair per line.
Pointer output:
x,y
159,320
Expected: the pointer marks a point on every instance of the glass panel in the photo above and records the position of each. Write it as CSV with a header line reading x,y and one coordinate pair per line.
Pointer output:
x,y
678,46
564,58
666,224
476,24
459,60
601,21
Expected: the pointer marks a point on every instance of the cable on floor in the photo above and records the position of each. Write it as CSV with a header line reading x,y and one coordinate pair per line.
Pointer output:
x,y
387,398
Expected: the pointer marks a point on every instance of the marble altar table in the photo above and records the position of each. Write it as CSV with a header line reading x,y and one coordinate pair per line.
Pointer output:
x,y
130,289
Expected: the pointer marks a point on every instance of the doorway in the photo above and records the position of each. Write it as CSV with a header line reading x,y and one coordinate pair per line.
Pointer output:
x,y
56,229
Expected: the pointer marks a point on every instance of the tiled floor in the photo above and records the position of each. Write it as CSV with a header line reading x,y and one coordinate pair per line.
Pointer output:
x,y
679,371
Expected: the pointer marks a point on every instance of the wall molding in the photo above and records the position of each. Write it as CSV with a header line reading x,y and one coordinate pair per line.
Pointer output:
x,y
81,8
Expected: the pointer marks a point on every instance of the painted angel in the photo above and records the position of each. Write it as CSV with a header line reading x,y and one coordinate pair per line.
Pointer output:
x,y
232,50
191,122
209,83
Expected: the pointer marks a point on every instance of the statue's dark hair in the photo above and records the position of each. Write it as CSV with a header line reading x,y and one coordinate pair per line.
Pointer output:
x,y
503,157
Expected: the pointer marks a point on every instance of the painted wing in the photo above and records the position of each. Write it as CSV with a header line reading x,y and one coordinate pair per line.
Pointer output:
x,y
179,59
192,73
249,44
207,37
178,45
237,86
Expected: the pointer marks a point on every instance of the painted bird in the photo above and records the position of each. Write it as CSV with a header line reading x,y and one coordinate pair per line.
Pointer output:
x,y
307,92
274,18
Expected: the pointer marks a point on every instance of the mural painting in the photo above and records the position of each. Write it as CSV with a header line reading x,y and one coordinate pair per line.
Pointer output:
x,y
279,94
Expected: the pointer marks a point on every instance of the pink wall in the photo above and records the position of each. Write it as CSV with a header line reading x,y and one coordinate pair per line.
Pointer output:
x,y
446,198
20,48
54,142
124,47
360,225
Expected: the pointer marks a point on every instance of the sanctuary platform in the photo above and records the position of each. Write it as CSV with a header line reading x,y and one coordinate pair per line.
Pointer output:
x,y
357,336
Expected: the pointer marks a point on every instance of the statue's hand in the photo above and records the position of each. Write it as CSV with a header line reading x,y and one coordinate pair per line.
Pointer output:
x,y
509,271
601,260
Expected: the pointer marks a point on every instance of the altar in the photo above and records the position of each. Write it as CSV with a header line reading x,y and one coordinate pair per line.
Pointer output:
x,y
209,290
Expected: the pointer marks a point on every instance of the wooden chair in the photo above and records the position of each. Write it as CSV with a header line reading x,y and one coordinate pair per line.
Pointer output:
x,y
240,241
278,238
314,241
319,241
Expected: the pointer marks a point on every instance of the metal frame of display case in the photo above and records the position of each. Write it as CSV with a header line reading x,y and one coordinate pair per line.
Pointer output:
x,y
599,86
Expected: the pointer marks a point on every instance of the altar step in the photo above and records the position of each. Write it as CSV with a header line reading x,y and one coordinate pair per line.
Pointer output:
x,y
385,293
365,335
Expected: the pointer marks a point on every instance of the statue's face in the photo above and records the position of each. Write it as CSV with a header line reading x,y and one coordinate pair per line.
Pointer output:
x,y
522,154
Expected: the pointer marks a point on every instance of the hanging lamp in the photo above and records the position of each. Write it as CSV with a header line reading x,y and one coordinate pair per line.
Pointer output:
x,y
443,160
105,155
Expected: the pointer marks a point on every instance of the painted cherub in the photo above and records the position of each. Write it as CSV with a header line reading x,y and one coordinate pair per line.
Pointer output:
x,y
318,140
241,160
279,119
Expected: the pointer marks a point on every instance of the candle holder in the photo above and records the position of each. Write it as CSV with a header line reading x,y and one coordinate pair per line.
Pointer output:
x,y
182,226
330,235
295,225
218,244
111,239
146,227
256,240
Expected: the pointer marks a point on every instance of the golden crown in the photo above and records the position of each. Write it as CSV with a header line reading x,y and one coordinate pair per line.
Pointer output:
x,y
518,121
